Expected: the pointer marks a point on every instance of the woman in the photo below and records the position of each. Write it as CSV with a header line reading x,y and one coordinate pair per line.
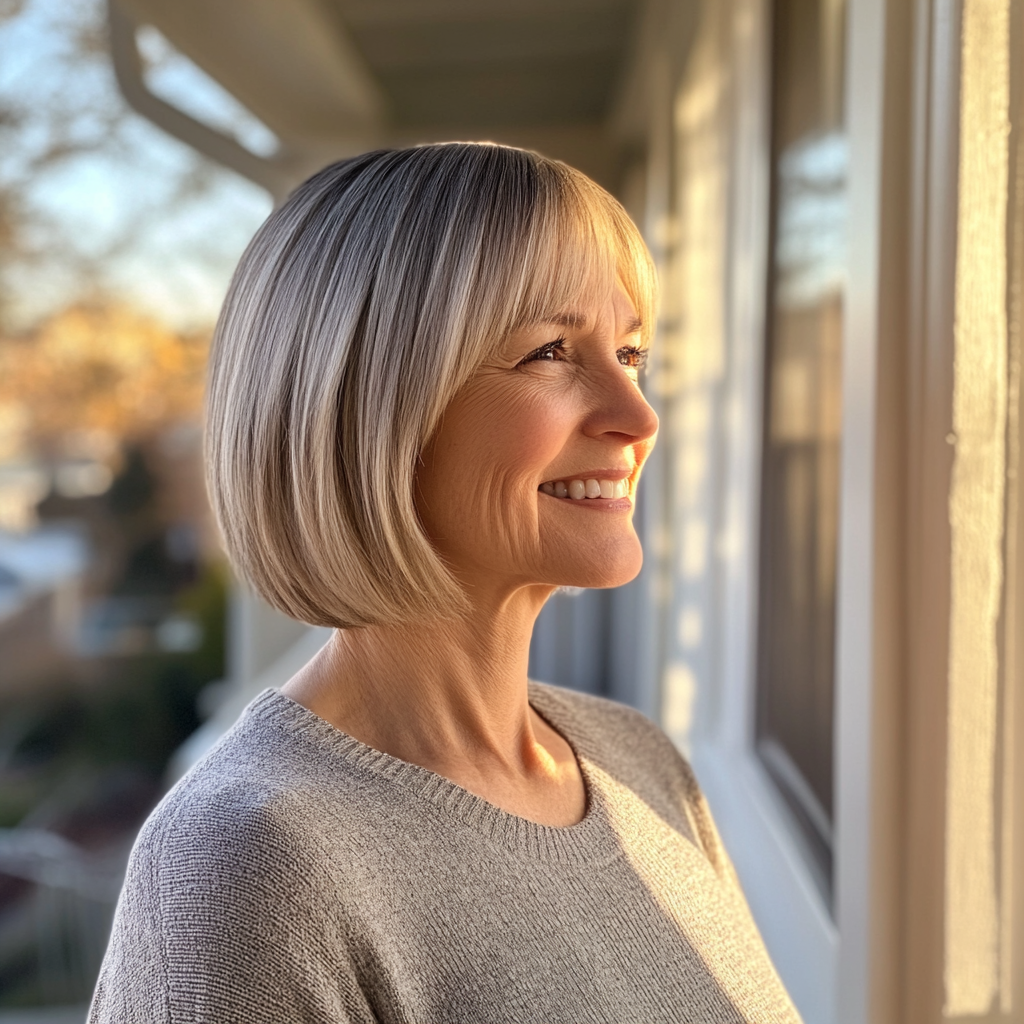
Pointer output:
x,y
423,418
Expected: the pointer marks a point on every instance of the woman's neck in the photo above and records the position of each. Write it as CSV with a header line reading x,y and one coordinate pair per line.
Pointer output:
x,y
451,696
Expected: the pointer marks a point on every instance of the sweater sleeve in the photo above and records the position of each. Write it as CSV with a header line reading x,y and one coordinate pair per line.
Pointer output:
x,y
227,917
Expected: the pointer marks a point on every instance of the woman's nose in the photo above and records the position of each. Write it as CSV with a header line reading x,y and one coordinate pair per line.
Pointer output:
x,y
621,408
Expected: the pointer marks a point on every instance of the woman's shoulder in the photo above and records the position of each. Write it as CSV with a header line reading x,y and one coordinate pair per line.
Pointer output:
x,y
229,897
634,751
261,787
620,739
598,722
238,837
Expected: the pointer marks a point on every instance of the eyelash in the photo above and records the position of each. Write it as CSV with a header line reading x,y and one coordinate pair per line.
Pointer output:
x,y
638,356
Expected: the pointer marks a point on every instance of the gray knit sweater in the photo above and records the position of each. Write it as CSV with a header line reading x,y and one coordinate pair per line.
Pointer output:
x,y
298,875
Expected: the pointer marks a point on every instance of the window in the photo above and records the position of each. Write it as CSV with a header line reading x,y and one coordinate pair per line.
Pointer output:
x,y
803,387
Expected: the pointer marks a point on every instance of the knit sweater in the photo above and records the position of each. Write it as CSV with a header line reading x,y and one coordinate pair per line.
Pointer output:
x,y
298,875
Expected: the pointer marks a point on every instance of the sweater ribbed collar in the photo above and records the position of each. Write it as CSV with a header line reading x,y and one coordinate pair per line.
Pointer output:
x,y
591,840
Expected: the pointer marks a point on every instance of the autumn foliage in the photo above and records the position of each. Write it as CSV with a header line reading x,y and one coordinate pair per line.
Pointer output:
x,y
99,367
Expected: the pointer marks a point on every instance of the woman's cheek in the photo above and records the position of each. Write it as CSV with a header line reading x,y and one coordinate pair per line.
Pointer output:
x,y
540,433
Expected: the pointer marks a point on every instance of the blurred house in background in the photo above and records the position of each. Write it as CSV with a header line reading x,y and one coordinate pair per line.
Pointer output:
x,y
829,613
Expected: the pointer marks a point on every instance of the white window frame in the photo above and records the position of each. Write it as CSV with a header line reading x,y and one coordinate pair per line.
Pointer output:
x,y
824,956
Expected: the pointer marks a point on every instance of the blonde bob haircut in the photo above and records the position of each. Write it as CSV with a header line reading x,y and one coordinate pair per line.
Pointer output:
x,y
358,310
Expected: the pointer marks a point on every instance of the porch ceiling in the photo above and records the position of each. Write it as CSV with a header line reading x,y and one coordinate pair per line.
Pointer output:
x,y
317,69
502,63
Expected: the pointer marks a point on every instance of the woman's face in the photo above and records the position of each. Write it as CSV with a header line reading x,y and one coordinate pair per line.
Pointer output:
x,y
555,416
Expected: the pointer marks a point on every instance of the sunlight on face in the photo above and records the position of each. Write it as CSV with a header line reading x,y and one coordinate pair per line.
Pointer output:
x,y
558,405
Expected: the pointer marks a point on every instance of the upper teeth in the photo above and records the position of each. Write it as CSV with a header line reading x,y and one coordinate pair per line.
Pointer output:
x,y
586,488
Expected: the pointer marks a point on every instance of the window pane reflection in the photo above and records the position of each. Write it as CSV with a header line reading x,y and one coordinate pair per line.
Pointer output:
x,y
800,483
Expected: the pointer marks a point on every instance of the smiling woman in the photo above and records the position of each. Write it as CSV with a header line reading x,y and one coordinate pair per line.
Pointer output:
x,y
423,418
413,271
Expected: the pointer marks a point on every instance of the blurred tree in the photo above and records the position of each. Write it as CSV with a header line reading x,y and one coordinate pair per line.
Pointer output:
x,y
95,201
99,368
115,245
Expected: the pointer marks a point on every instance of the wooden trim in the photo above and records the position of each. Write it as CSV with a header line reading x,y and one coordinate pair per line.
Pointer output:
x,y
929,462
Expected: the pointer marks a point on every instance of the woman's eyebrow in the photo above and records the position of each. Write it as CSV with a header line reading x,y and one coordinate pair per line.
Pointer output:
x,y
574,321
578,321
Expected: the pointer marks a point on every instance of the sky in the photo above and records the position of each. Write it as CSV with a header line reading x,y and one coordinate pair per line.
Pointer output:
x,y
117,207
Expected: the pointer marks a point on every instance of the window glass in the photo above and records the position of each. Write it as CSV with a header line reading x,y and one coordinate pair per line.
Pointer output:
x,y
800,475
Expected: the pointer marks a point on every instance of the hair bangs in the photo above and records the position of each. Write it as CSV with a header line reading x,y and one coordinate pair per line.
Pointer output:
x,y
577,245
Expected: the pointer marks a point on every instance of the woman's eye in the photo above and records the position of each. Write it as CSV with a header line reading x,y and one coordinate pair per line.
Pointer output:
x,y
632,358
552,352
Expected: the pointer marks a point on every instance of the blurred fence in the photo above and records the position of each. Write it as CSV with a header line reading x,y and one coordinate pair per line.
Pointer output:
x,y
56,918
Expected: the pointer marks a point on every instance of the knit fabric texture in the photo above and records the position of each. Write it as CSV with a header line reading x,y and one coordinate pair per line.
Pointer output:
x,y
298,875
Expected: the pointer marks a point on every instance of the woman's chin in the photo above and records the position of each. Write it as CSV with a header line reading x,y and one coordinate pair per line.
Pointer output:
x,y
594,573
